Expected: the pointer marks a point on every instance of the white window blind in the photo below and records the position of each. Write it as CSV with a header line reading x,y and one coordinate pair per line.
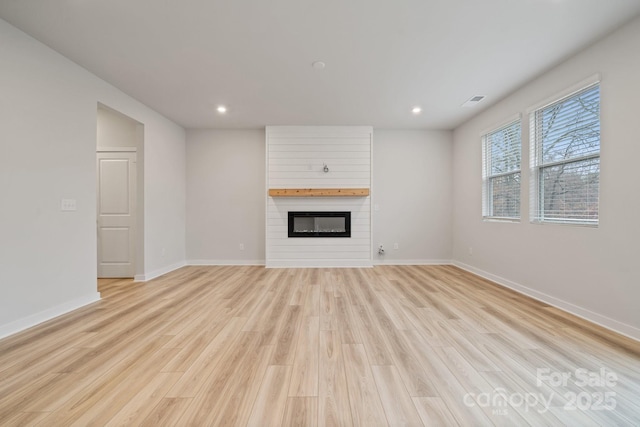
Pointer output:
x,y
501,155
565,159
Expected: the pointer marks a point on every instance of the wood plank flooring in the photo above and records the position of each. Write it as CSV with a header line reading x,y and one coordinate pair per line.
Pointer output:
x,y
249,346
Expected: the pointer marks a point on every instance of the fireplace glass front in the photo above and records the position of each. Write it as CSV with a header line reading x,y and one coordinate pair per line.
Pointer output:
x,y
319,224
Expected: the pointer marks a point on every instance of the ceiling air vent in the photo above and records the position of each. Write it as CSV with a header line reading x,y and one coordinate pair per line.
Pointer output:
x,y
473,101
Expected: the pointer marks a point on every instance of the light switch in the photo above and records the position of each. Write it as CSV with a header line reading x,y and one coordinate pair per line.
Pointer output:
x,y
68,205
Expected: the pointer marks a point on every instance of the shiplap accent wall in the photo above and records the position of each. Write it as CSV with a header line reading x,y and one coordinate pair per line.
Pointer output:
x,y
295,159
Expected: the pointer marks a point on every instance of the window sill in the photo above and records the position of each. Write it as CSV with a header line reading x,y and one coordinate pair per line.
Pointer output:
x,y
569,223
497,219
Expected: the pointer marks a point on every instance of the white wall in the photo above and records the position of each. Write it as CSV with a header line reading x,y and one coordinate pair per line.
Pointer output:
x,y
225,196
412,189
590,271
164,197
115,129
296,156
47,152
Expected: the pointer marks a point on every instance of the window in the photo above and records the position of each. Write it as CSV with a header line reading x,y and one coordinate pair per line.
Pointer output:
x,y
501,151
565,159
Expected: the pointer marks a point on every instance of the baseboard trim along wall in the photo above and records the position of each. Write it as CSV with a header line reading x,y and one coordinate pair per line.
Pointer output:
x,y
43,316
258,262
159,272
329,263
412,262
606,322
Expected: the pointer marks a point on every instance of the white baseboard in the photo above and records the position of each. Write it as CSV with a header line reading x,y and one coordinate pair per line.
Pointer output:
x,y
159,272
324,263
48,314
412,261
225,262
320,263
604,321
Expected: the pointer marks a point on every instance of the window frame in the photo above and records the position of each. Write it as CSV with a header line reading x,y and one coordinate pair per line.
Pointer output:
x,y
537,165
487,177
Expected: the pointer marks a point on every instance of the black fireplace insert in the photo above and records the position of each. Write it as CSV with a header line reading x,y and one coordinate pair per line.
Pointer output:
x,y
319,224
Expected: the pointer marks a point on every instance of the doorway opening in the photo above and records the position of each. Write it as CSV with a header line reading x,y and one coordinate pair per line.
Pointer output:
x,y
119,191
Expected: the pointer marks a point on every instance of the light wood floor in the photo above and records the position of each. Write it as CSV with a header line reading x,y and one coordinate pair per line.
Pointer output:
x,y
251,346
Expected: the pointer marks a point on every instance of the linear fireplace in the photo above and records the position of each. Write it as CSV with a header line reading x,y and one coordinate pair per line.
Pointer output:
x,y
319,224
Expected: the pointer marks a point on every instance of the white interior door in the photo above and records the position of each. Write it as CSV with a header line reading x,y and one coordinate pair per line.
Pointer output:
x,y
116,214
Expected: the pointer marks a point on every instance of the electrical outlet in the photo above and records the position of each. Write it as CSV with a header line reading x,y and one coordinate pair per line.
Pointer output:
x,y
396,246
242,246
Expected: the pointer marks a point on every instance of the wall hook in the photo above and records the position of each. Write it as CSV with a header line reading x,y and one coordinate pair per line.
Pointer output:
x,y
325,168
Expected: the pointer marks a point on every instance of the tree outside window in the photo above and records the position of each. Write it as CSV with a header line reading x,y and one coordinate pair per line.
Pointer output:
x,y
565,159
501,172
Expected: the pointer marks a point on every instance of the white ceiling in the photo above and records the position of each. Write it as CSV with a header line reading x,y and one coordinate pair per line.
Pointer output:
x,y
184,58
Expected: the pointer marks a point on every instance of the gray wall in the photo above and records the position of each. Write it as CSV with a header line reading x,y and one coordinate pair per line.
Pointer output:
x,y
412,189
225,196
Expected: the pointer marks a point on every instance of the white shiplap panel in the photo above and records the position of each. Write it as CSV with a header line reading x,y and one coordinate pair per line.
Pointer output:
x,y
276,163
320,175
319,248
319,183
274,132
317,202
315,148
318,168
357,212
320,155
295,158
318,141
337,241
320,255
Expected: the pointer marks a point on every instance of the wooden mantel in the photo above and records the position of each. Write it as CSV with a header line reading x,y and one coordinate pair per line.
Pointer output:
x,y
318,192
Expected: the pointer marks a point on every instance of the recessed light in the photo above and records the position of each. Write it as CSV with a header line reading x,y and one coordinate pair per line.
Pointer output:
x,y
416,110
318,65
222,109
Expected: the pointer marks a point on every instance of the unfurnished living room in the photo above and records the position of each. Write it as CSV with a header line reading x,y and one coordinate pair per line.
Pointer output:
x,y
314,213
